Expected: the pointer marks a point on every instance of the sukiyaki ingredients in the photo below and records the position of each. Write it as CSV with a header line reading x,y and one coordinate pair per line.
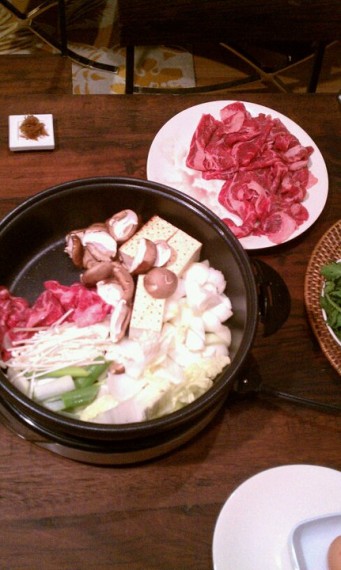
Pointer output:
x,y
330,299
72,400
97,377
123,225
144,258
160,282
121,346
159,394
64,349
51,387
264,166
147,314
155,229
14,313
57,303
119,320
92,373
198,378
59,359
156,244
163,253
99,243
74,248
118,285
97,272
186,250
148,310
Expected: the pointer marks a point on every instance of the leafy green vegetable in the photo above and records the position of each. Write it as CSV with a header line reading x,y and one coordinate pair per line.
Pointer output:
x,y
331,298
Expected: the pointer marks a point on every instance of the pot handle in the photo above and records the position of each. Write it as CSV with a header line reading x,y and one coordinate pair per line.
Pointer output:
x,y
273,297
252,385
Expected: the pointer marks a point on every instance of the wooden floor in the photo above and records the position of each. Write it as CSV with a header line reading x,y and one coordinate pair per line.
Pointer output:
x,y
46,73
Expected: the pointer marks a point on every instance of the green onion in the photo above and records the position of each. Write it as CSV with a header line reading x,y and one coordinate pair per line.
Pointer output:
x,y
79,397
94,371
74,371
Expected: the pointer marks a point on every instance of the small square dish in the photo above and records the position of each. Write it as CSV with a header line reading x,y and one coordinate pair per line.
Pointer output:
x,y
41,139
311,539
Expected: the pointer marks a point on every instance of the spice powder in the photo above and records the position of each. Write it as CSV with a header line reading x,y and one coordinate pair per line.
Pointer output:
x,y
31,128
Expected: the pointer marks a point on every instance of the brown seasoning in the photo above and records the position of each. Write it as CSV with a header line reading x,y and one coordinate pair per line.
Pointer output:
x,y
31,128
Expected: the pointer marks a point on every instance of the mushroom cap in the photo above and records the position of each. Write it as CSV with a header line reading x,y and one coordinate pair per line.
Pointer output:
x,y
145,257
97,272
160,282
122,225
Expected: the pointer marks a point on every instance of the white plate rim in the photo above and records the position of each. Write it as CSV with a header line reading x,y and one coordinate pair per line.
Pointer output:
x,y
158,163
231,530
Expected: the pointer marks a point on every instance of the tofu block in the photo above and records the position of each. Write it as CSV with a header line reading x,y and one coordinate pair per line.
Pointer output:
x,y
147,314
186,250
155,229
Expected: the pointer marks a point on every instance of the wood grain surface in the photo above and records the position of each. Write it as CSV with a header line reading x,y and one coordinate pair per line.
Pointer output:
x,y
60,514
44,73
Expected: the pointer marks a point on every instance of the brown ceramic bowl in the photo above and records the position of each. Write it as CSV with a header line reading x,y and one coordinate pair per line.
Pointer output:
x,y
32,248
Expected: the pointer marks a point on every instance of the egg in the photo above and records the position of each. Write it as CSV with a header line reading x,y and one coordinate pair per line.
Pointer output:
x,y
334,554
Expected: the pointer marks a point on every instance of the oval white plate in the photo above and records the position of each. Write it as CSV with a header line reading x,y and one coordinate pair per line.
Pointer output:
x,y
168,151
254,527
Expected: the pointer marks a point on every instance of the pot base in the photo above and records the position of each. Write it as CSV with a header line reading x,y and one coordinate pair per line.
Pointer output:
x,y
26,430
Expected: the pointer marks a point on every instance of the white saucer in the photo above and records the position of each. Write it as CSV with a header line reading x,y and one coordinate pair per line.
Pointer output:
x,y
254,527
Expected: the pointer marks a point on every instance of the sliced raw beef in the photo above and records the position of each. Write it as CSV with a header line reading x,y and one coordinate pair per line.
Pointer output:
x,y
19,321
208,136
14,312
87,306
264,166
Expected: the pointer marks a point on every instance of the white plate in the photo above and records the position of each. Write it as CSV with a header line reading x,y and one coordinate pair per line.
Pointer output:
x,y
253,530
169,149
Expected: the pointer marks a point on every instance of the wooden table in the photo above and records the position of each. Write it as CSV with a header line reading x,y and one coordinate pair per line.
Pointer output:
x,y
59,514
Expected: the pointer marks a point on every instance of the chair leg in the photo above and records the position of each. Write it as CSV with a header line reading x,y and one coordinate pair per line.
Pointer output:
x,y
62,26
269,78
11,8
130,66
316,69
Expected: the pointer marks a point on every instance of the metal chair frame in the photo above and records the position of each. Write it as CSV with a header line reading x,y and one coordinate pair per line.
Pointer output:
x,y
29,18
62,45
268,77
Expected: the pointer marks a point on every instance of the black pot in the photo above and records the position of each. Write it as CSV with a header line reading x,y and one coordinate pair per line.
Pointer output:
x,y
32,250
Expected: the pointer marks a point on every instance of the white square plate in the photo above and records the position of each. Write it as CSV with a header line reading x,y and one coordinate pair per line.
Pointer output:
x,y
18,142
310,541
